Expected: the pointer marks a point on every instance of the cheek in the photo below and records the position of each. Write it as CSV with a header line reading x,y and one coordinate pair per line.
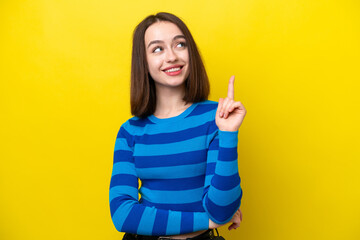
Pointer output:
x,y
185,55
186,58
188,65
154,63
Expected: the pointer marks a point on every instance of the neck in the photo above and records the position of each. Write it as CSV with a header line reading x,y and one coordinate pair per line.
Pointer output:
x,y
169,101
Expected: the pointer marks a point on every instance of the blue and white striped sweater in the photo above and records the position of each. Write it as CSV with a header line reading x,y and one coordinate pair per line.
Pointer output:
x,y
188,169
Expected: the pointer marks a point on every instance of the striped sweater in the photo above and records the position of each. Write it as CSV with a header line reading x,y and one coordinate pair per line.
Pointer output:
x,y
188,170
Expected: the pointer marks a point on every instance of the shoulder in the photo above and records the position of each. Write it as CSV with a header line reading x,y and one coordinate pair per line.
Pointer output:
x,y
205,110
135,123
131,128
208,104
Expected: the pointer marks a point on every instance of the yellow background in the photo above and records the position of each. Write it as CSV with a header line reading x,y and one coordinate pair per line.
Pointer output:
x,y
65,69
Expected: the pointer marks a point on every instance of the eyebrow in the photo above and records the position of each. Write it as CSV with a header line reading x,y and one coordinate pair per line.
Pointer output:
x,y
159,41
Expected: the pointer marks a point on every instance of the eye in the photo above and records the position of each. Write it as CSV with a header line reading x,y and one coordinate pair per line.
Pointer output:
x,y
181,44
157,49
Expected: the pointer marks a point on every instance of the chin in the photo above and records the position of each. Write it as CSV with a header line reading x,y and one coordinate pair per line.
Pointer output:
x,y
172,84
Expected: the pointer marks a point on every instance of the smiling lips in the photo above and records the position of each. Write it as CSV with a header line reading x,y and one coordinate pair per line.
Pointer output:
x,y
173,70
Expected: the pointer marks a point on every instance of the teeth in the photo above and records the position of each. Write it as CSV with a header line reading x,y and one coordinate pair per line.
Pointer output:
x,y
173,69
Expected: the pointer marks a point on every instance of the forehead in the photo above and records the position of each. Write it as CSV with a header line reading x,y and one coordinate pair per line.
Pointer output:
x,y
164,31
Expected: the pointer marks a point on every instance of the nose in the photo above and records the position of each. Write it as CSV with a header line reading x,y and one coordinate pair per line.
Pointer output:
x,y
171,55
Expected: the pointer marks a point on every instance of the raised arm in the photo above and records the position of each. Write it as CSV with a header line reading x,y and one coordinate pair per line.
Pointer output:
x,y
128,215
222,193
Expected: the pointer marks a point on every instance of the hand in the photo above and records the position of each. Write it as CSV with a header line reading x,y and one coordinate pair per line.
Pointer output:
x,y
236,220
229,114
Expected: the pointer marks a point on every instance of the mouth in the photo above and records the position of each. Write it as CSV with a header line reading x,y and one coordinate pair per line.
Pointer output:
x,y
173,70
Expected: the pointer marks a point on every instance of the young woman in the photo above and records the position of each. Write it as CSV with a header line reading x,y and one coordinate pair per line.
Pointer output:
x,y
181,146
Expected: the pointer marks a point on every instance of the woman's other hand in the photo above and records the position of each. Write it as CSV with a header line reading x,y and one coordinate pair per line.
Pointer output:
x,y
236,220
230,114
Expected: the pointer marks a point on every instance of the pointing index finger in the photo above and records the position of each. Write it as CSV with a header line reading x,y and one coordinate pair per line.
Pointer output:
x,y
231,87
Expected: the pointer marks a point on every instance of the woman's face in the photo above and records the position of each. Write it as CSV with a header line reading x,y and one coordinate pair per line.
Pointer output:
x,y
167,54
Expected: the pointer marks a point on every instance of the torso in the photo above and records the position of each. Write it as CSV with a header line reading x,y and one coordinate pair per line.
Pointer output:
x,y
157,145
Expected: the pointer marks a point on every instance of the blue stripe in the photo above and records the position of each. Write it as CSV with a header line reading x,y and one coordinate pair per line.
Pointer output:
x,y
174,184
201,221
122,156
116,202
160,223
210,168
228,139
120,208
146,223
225,183
139,122
222,214
214,145
126,135
123,190
174,222
172,197
185,123
213,128
203,108
222,198
187,221
172,137
133,217
227,154
184,171
191,157
188,207
124,168
227,168
212,156
124,179
193,144
122,144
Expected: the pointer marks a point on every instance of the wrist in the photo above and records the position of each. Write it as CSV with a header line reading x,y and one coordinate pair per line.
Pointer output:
x,y
213,225
225,129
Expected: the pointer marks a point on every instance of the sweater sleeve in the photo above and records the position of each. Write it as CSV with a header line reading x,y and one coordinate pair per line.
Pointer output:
x,y
222,192
128,214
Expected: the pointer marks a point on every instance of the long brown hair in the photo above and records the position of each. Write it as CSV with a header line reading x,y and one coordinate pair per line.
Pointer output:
x,y
143,94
